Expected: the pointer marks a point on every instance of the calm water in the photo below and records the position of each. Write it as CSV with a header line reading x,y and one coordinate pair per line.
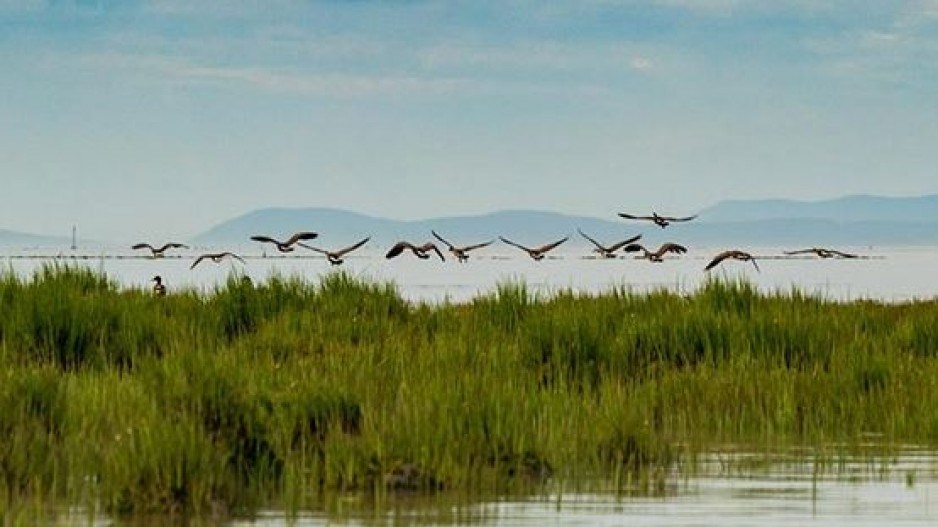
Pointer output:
x,y
854,492
890,274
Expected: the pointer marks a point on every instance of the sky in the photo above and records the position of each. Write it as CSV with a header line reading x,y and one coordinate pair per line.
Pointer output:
x,y
162,118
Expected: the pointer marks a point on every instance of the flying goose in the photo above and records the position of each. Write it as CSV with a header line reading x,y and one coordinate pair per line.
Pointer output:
x,y
460,252
661,221
335,257
535,252
732,254
657,256
419,250
286,246
159,288
608,252
823,253
157,252
215,257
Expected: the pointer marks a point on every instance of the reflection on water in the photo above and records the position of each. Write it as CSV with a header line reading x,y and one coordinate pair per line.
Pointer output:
x,y
730,489
890,274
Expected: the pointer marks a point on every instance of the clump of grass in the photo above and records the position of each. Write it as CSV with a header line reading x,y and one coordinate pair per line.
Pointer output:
x,y
290,389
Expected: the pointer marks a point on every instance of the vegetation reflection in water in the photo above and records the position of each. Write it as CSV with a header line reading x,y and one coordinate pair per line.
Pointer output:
x,y
289,391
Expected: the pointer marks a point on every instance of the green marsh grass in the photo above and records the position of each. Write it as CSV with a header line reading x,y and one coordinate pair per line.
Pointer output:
x,y
289,390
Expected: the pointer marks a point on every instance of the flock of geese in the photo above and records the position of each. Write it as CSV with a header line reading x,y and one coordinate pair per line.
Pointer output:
x,y
461,252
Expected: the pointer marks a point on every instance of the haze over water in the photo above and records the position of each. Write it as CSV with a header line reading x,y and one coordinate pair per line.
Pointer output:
x,y
884,274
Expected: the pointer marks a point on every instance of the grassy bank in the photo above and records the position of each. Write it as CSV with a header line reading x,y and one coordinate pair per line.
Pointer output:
x,y
289,389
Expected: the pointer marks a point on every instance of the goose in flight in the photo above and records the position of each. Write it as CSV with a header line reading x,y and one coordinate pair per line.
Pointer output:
x,y
732,254
656,256
157,252
335,257
661,221
215,257
420,251
460,252
608,252
823,253
159,288
537,253
286,246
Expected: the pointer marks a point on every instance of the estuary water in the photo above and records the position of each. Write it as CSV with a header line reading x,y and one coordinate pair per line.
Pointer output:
x,y
890,274
727,489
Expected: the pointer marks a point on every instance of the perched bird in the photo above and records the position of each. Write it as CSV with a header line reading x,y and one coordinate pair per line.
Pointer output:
x,y
535,252
159,288
732,254
157,252
823,253
608,252
215,257
419,250
656,256
661,221
335,257
460,252
286,246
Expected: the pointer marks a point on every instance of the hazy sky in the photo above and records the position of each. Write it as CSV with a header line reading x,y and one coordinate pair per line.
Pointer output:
x,y
161,118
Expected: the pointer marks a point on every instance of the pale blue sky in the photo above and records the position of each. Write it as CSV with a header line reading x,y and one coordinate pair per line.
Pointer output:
x,y
160,118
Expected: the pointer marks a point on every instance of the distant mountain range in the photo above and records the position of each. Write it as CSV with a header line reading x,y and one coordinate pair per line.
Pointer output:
x,y
851,220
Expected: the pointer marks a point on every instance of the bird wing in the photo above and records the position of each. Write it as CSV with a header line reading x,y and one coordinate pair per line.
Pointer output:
x,y
477,246
266,239
438,237
753,260
350,248
170,245
304,235
311,248
672,218
634,217
549,246
398,248
197,260
671,248
801,251
718,258
594,242
435,249
842,254
616,246
141,246
518,245
233,255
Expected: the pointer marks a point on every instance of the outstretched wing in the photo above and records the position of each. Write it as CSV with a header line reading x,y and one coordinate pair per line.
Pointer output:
x,y
350,248
266,239
842,254
634,217
717,259
671,248
233,255
634,248
301,236
172,245
197,260
685,218
549,246
594,242
513,244
438,237
477,246
397,249
311,248
616,246
801,251
141,246
435,249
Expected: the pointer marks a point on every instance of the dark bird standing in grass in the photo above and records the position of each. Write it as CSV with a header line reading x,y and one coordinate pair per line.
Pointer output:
x,y
335,257
822,253
419,250
159,288
656,256
734,255
537,253
286,246
157,252
661,221
610,251
215,257
460,252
